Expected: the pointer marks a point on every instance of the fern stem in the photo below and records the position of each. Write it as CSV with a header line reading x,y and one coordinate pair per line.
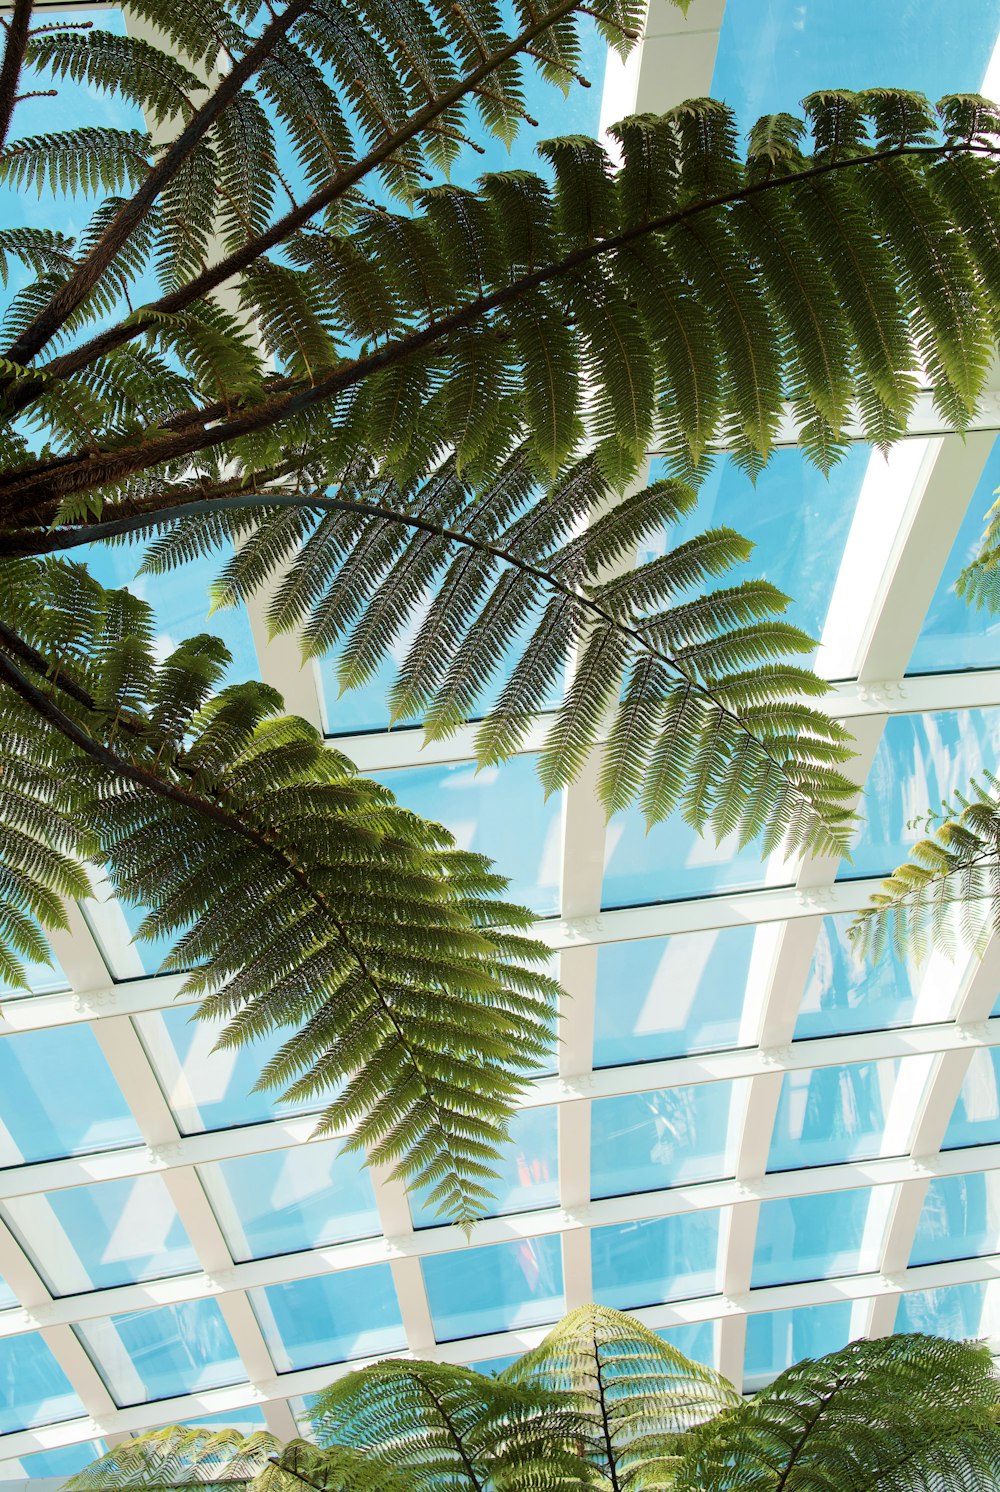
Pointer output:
x,y
13,60
70,475
75,290
118,527
235,263
609,1448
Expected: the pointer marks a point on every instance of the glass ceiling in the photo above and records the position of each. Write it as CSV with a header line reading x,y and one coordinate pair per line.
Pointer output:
x,y
759,1146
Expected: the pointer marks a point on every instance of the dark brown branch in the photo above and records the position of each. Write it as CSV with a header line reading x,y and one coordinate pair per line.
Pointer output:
x,y
13,61
21,494
75,290
236,262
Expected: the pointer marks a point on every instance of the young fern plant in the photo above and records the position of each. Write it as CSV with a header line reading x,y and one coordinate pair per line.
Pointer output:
x,y
605,1403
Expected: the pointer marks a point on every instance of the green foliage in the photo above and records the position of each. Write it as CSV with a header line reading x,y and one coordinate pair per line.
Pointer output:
x,y
605,1403
950,882
635,1396
300,896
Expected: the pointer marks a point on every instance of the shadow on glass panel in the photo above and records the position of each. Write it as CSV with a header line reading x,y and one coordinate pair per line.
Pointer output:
x,y
956,1311
845,993
60,1097
640,1142
665,997
975,1119
500,1287
34,1390
827,1115
960,1218
812,1238
330,1318
163,1351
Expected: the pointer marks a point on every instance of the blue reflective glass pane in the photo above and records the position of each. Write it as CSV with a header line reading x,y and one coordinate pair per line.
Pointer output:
x,y
810,1238
975,1119
163,1351
846,993
664,997
666,1258
111,1233
7,1296
209,1089
34,1390
797,518
498,811
640,1142
59,1097
497,1288
490,1367
41,979
960,1218
921,759
773,52
248,1418
956,635
330,1318
671,862
180,600
528,1167
778,1339
62,1460
831,1114
954,1311
281,1201
696,1340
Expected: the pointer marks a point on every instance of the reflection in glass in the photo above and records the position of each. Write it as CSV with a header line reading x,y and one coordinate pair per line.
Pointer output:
x,y
34,1390
847,993
330,1318
921,759
61,1460
831,1114
956,635
208,1089
811,1237
163,1351
975,1119
666,1258
778,1339
497,1288
111,1233
281,1201
59,1097
7,1296
671,862
664,997
960,1218
528,1170
501,812
956,1311
640,1142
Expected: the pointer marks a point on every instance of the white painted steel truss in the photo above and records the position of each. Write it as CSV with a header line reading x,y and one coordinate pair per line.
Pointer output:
x,y
906,522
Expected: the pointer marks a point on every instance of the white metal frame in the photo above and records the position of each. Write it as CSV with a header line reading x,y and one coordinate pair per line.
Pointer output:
x,y
907,520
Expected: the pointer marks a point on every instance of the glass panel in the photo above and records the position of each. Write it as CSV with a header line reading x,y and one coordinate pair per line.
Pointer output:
x,y
811,1238
111,1233
114,924
640,1142
671,862
921,759
529,1170
284,1200
247,1419
490,1367
59,1097
163,1351
7,1296
961,1218
664,997
498,1288
62,1460
956,1311
831,1114
696,1340
331,1317
772,52
42,979
666,1258
845,993
34,1390
976,1116
797,518
778,1339
498,811
209,1089
956,635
